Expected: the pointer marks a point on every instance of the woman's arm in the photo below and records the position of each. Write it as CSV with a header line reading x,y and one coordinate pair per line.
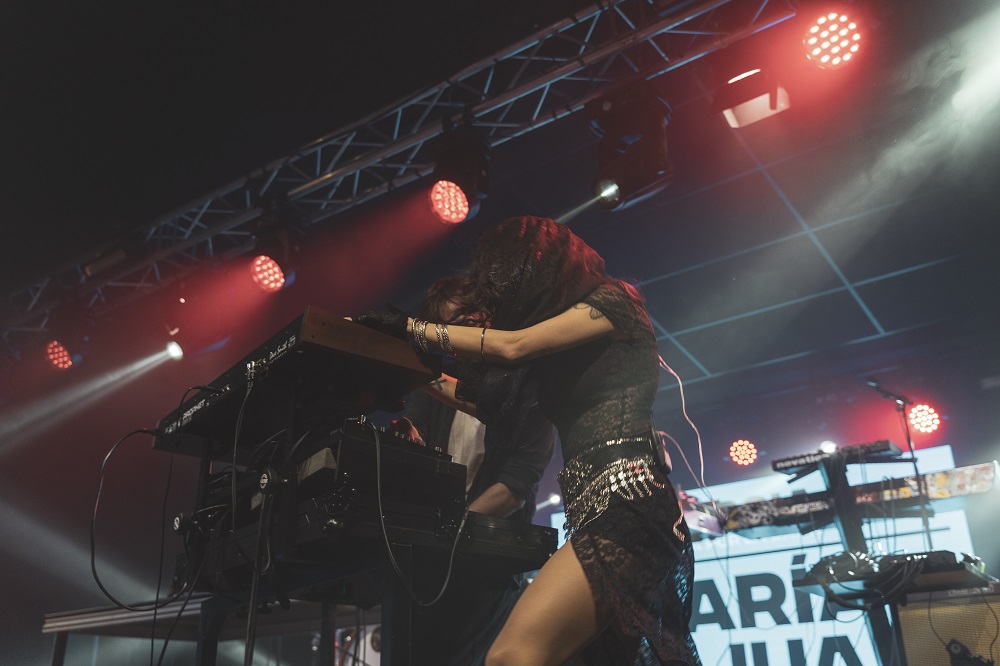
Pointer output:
x,y
443,389
497,500
580,324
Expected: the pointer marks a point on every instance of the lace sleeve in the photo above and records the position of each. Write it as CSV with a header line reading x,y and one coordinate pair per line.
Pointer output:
x,y
622,304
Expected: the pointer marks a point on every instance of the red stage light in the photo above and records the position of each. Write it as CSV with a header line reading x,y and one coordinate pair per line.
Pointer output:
x,y
924,418
267,273
832,40
743,452
449,202
58,355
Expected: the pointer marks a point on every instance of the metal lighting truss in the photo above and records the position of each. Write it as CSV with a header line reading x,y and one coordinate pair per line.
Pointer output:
x,y
538,80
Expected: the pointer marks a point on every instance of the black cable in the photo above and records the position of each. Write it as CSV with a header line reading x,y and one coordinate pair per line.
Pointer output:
x,y
263,532
385,531
996,634
208,510
899,580
259,447
180,613
906,576
291,452
930,622
255,584
163,546
163,520
267,532
910,572
220,529
93,535
843,601
232,473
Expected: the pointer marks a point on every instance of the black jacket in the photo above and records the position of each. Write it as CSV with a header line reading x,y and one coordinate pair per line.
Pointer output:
x,y
518,465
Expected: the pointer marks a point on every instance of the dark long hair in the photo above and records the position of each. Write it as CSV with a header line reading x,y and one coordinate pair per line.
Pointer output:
x,y
528,269
525,270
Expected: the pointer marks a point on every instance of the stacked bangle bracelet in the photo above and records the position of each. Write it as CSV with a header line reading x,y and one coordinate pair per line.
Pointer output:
x,y
446,341
418,332
420,336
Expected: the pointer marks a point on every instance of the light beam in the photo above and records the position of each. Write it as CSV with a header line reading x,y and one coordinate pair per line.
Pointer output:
x,y
17,427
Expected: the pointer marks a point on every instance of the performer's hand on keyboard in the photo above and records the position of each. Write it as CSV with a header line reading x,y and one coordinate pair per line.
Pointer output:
x,y
390,323
404,426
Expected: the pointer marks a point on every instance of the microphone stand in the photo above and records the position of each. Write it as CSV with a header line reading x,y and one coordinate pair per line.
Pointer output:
x,y
901,402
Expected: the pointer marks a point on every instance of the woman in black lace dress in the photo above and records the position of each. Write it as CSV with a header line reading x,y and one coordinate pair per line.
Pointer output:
x,y
619,592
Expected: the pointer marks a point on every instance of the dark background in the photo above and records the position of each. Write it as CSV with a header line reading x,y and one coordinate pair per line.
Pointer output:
x,y
851,237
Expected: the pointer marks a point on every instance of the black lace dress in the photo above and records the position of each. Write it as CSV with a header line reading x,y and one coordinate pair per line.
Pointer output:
x,y
625,522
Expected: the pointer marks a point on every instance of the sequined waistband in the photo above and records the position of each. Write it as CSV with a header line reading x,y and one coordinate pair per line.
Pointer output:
x,y
617,442
588,482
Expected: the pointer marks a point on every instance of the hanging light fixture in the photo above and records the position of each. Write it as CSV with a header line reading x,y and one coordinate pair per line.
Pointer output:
x,y
461,174
632,157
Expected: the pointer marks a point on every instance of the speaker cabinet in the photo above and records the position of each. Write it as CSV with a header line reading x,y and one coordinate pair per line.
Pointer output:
x,y
928,621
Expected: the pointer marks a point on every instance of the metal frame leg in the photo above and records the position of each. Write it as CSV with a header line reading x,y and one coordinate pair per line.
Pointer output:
x,y
213,616
397,610
59,650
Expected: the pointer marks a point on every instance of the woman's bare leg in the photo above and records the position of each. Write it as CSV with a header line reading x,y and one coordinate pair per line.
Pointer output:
x,y
555,617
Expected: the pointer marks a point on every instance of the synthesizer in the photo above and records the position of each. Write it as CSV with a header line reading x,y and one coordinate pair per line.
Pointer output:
x,y
317,368
808,511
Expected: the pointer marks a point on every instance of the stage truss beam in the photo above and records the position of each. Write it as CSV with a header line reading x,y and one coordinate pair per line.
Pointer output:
x,y
545,77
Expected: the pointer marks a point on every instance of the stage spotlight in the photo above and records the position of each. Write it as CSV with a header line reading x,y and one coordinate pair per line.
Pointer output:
x,y
267,273
461,173
449,202
748,82
275,243
607,191
828,447
749,96
832,40
67,330
174,351
58,355
632,159
743,453
924,419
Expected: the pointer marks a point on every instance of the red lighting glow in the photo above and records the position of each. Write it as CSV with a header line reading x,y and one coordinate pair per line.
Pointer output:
x,y
832,40
58,355
743,452
924,418
267,273
449,202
